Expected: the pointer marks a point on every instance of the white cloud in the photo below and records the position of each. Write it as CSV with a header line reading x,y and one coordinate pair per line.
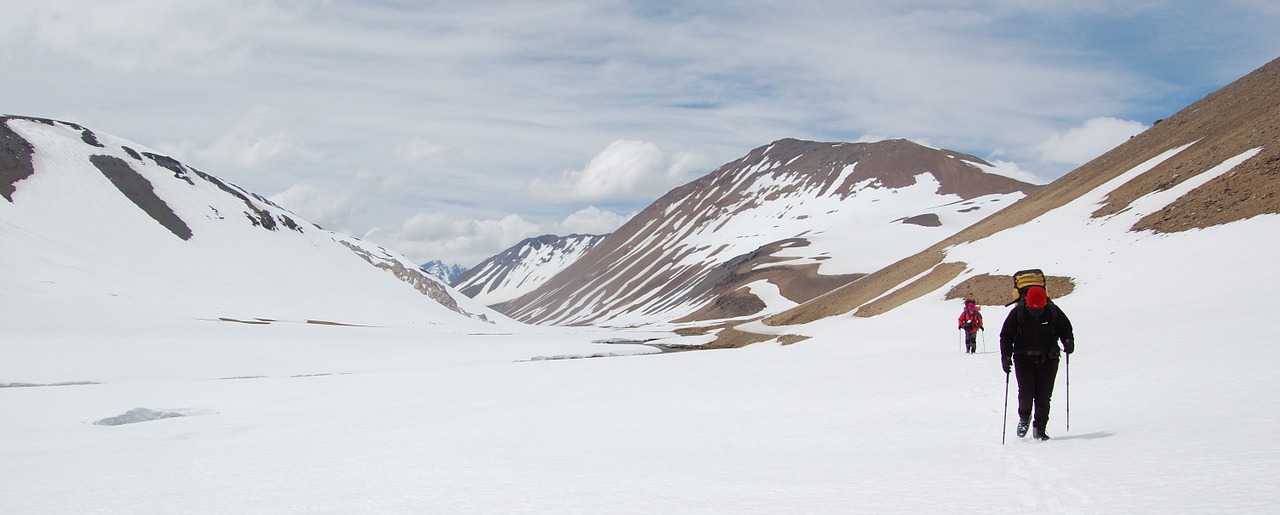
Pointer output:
x,y
254,142
394,184
1081,144
591,220
1013,171
453,238
416,150
625,169
141,35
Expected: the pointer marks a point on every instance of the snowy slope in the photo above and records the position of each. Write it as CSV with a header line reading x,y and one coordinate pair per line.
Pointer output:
x,y
871,415
100,223
523,267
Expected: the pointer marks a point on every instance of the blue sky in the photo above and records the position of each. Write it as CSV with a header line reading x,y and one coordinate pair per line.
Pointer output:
x,y
453,130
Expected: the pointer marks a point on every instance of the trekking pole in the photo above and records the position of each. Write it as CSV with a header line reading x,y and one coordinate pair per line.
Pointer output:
x,y
984,342
1004,424
1068,393
962,341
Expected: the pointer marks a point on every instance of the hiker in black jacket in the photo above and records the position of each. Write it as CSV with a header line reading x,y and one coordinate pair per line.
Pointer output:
x,y
1029,344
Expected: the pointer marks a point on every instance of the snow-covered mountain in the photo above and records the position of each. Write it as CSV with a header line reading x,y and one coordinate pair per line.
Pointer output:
x,y
1192,200
445,273
90,221
523,267
759,234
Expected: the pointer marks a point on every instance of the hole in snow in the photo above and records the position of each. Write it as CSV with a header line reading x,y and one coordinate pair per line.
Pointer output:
x,y
40,385
136,415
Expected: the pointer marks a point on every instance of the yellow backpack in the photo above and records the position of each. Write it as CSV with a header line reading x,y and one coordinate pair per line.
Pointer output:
x,y
1024,279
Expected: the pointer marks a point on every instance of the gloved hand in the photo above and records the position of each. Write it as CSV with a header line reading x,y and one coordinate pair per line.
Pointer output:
x,y
1006,362
1068,346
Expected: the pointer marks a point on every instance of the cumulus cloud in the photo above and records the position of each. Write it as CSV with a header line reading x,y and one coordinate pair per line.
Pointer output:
x,y
467,241
1081,144
625,169
1013,171
592,220
254,142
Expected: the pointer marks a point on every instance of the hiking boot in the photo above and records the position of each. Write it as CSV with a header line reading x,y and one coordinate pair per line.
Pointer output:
x,y
1022,428
1040,434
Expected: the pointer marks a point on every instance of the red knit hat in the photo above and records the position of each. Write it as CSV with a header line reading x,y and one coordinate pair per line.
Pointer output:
x,y
1036,298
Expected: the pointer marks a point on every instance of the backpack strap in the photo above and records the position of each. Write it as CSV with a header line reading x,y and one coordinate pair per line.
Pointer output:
x,y
1021,312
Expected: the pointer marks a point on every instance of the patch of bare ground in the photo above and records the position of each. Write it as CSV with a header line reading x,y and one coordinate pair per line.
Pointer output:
x,y
327,322
698,330
798,283
925,220
997,290
266,321
853,295
238,321
732,338
788,339
736,303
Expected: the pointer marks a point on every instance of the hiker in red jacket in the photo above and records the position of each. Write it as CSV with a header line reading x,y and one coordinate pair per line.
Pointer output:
x,y
971,323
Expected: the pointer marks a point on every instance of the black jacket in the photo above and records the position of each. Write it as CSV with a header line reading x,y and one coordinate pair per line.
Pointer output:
x,y
1025,334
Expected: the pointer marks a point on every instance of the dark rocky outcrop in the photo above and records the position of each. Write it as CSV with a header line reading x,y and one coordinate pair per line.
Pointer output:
x,y
140,191
15,160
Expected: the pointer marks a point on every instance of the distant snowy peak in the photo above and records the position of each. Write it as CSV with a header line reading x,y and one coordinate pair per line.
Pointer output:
x,y
446,273
523,267
803,216
159,231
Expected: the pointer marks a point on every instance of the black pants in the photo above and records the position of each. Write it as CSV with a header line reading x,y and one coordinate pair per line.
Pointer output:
x,y
971,342
1035,387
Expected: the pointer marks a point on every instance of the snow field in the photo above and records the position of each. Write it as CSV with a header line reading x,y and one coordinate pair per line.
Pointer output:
x,y
1172,393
